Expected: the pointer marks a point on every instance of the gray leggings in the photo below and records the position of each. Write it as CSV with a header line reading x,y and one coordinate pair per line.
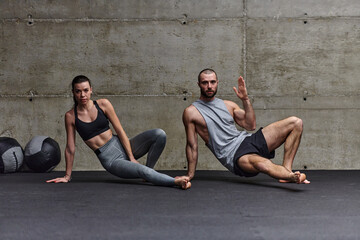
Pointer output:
x,y
115,160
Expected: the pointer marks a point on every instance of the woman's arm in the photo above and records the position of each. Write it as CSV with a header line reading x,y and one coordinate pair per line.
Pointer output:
x,y
113,118
70,148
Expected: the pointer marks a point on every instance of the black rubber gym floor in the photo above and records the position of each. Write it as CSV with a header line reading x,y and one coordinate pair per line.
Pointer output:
x,y
97,205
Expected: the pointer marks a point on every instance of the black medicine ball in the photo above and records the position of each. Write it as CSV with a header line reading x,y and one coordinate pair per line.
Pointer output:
x,y
11,155
42,154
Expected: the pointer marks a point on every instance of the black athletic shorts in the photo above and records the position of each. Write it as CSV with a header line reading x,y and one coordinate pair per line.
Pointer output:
x,y
255,144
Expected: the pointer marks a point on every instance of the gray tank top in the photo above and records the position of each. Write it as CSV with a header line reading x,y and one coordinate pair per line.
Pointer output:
x,y
225,139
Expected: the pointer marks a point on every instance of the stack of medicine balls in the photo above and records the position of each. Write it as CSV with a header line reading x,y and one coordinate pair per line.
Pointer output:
x,y
42,154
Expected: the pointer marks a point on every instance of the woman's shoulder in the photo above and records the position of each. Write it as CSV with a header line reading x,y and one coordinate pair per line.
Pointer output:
x,y
103,102
70,113
70,116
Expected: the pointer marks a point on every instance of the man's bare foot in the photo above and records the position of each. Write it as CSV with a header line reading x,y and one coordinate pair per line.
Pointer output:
x,y
297,177
183,182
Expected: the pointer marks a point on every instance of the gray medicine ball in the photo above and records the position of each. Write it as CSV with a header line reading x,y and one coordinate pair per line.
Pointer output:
x,y
42,154
11,155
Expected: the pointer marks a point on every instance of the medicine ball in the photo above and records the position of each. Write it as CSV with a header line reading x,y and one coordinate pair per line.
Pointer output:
x,y
42,154
11,155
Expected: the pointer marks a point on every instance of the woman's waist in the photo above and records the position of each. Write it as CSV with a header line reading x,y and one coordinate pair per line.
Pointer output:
x,y
111,147
99,140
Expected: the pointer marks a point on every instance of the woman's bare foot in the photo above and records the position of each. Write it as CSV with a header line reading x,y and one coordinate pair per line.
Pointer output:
x,y
183,182
297,177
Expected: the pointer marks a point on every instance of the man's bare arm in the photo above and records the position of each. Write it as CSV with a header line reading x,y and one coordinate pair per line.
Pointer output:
x,y
245,118
191,143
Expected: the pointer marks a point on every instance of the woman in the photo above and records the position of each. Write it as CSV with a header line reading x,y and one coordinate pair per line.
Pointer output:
x,y
117,154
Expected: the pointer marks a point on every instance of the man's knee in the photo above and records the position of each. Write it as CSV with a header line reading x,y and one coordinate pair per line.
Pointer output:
x,y
253,163
245,164
262,166
296,122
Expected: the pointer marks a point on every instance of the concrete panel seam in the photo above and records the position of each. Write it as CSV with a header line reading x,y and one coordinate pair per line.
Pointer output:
x,y
159,95
275,18
189,19
95,95
33,96
117,19
245,39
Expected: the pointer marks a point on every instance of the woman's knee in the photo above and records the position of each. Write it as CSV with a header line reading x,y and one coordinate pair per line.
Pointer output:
x,y
160,135
126,169
146,173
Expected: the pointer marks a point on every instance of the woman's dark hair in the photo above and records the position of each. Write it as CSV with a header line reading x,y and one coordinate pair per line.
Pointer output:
x,y
79,79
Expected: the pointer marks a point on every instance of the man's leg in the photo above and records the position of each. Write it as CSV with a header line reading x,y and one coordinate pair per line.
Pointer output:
x,y
253,163
287,131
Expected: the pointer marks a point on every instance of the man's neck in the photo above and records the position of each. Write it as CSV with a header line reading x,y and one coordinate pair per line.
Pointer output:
x,y
205,99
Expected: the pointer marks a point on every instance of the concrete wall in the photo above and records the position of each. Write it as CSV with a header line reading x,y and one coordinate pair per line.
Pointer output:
x,y
298,57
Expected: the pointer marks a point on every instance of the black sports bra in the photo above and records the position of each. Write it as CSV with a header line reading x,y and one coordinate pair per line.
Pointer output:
x,y
89,130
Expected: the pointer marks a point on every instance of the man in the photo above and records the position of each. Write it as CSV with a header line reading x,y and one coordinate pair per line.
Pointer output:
x,y
242,153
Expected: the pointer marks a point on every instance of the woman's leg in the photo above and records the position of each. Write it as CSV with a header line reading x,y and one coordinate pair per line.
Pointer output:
x,y
114,160
129,170
151,142
126,169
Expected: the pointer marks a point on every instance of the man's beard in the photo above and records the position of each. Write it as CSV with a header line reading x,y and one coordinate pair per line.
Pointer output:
x,y
203,93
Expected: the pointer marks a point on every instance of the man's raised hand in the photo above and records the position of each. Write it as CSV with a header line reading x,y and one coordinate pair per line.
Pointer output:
x,y
241,91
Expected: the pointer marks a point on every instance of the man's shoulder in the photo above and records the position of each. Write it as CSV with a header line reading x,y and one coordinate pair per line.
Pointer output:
x,y
231,104
190,109
228,102
191,113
